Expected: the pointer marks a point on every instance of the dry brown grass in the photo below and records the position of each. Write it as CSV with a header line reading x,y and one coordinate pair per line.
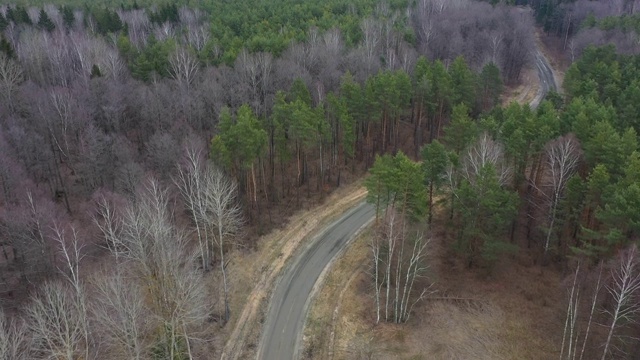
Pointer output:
x,y
327,306
526,91
254,274
516,313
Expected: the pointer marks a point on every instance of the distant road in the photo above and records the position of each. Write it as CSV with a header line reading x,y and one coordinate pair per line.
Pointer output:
x,y
282,331
545,74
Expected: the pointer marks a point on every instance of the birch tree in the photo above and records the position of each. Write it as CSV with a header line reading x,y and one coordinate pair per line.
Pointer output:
x,y
120,316
568,337
624,290
594,301
191,182
563,156
11,76
212,199
70,250
225,216
184,68
55,324
162,264
15,342
398,261
482,153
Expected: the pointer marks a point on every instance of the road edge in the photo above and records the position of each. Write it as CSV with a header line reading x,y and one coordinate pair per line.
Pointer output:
x,y
320,282
306,243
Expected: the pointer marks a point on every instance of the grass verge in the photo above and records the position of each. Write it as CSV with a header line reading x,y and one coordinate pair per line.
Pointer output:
x,y
516,313
255,273
323,328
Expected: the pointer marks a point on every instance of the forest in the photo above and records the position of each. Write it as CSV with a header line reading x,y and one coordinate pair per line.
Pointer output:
x,y
140,144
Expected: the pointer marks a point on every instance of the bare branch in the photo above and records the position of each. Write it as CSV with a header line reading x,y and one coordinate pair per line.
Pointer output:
x,y
486,151
55,323
10,78
122,316
563,157
624,291
184,67
15,343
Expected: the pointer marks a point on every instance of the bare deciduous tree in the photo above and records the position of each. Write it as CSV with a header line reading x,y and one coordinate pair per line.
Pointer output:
x,y
55,323
15,342
184,68
255,71
570,322
226,219
10,79
397,271
192,185
120,315
624,290
162,264
483,152
563,156
71,252
109,225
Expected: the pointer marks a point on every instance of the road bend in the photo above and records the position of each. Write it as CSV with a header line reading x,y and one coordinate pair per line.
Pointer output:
x,y
287,312
545,74
284,324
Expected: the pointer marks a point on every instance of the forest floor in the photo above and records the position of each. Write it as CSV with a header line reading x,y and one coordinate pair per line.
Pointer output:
x,y
526,91
256,272
516,312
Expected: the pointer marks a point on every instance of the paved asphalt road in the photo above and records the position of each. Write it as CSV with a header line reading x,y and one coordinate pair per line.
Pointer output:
x,y
285,320
287,313
545,74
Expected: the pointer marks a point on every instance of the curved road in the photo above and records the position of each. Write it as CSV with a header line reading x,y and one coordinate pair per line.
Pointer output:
x,y
545,74
285,320
286,316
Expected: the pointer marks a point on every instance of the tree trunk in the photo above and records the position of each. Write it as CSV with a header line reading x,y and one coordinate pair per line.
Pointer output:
x,y
227,311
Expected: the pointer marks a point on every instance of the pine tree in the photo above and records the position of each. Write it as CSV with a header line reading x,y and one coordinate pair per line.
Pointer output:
x,y
6,47
396,182
3,22
491,86
11,15
300,92
20,15
240,145
463,82
44,22
461,131
95,72
440,93
486,210
68,18
434,165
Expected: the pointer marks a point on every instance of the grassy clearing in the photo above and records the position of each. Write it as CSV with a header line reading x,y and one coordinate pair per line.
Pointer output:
x,y
255,273
516,313
526,91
